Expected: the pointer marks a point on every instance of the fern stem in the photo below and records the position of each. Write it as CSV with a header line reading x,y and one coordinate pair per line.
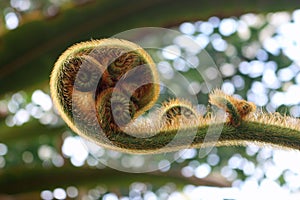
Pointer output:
x,y
261,134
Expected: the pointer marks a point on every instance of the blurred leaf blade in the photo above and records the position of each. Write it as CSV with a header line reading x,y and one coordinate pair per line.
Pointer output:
x,y
27,131
20,180
39,42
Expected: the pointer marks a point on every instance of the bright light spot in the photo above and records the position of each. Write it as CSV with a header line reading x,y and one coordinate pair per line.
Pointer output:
x,y
273,172
194,88
22,116
208,193
171,52
187,28
3,149
42,99
194,164
271,65
188,43
259,99
279,18
202,40
296,16
258,87
21,5
72,192
248,168
256,68
206,27
10,121
45,152
73,148
292,95
285,74
213,159
272,46
219,44
188,189
94,149
91,161
150,196
268,186
287,160
193,61
110,196
264,154
235,161
12,20
215,21
243,31
165,69
202,171
227,69
295,68
188,153
13,106
59,193
114,154
231,51
258,174
244,67
297,78
211,73
262,55
164,165
267,32
238,82
249,186
293,182
48,118
251,150
138,186
228,26
94,193
228,88
295,111
187,171
253,20
57,160
175,196
289,40
34,110
180,65
134,194
270,79
46,195
134,161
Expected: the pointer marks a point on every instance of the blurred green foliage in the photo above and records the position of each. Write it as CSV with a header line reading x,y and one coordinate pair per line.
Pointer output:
x,y
27,55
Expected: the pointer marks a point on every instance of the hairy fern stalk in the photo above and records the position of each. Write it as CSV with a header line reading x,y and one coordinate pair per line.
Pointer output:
x,y
101,89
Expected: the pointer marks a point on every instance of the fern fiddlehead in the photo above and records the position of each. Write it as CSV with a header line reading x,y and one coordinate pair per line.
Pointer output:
x,y
101,87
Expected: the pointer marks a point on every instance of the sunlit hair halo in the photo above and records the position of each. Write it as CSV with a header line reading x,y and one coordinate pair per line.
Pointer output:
x,y
101,87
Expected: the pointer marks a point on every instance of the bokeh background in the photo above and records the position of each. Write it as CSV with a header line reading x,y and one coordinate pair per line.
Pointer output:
x,y
254,45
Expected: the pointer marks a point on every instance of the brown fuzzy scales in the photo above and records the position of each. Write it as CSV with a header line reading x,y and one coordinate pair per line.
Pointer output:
x,y
236,109
102,87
